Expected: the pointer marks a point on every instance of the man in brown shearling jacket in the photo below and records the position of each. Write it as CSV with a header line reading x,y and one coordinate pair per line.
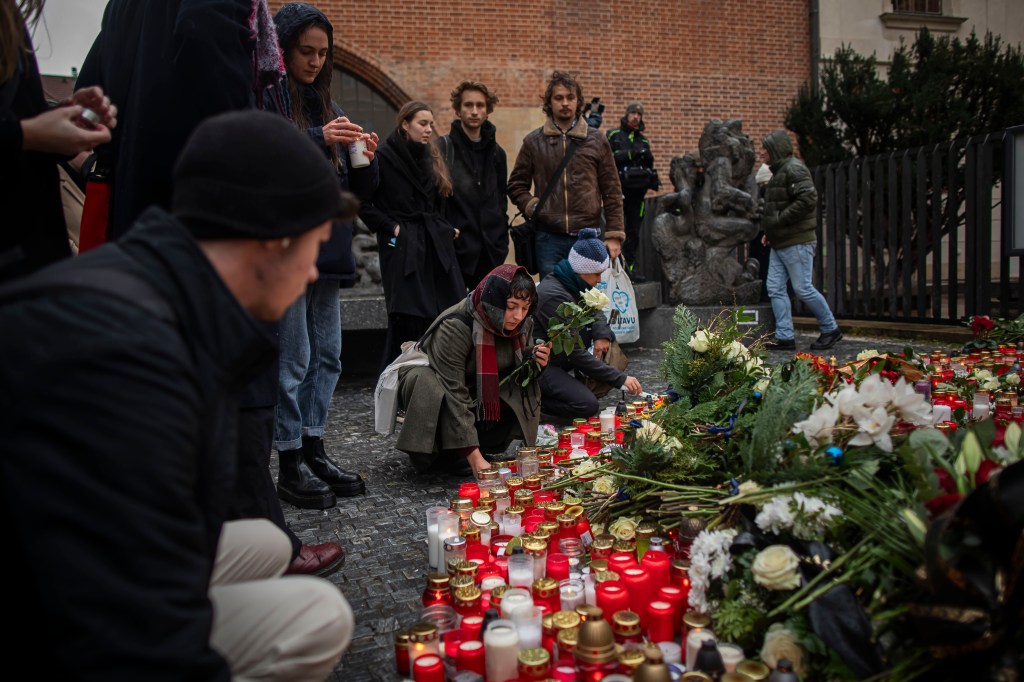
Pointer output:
x,y
588,185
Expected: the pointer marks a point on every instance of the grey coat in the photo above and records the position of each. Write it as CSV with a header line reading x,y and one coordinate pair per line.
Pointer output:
x,y
440,400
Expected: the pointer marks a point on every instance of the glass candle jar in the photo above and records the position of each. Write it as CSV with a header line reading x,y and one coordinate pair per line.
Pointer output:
x,y
546,591
527,619
538,549
437,591
626,626
520,569
454,548
501,647
512,598
423,640
534,664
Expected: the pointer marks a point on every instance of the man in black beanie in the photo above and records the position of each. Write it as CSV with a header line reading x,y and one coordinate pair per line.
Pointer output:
x,y
117,405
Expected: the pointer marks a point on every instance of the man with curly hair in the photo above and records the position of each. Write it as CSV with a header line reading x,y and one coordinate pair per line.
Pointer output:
x,y
478,168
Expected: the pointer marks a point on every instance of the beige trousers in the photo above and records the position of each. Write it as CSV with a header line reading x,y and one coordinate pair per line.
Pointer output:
x,y
267,625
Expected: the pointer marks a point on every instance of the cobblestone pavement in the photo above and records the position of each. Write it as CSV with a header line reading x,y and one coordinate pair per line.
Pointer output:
x,y
383,532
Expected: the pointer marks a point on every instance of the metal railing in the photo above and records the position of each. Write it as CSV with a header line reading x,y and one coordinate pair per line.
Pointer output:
x,y
916,235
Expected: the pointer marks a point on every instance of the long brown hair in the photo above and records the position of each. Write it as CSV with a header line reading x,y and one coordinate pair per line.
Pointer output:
x,y
444,180
14,17
322,84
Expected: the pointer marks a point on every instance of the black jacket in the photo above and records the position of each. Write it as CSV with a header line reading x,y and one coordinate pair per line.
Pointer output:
x,y
118,460
478,206
551,293
420,271
336,260
32,230
632,149
167,65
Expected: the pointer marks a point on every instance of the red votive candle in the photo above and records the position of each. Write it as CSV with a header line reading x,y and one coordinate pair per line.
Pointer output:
x,y
638,584
470,657
621,561
564,673
487,570
472,629
674,596
452,640
659,621
657,565
428,668
543,496
470,490
611,597
557,566
479,553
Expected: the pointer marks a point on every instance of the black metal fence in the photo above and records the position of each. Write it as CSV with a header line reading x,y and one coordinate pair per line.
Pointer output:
x,y
916,235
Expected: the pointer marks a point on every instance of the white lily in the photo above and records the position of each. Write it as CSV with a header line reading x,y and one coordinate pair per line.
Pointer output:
x,y
818,427
911,405
875,391
874,429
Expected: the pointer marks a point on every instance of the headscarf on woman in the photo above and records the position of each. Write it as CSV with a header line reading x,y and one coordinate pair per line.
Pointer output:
x,y
488,303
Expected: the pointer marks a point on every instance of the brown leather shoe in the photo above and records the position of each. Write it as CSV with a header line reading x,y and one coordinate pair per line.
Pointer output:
x,y
318,560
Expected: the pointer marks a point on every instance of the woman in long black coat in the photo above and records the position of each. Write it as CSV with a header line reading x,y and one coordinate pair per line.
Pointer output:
x,y
418,265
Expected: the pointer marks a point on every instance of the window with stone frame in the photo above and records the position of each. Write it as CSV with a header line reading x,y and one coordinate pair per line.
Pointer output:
x,y
917,6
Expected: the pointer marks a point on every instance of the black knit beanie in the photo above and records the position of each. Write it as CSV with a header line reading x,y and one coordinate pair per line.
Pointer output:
x,y
253,175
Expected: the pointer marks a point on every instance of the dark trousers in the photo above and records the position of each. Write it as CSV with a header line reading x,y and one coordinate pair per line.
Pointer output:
x,y
401,328
564,397
633,208
255,491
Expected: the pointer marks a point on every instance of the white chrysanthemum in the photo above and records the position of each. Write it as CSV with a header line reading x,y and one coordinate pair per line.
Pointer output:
x,y
875,391
776,516
710,559
867,354
812,516
874,430
818,427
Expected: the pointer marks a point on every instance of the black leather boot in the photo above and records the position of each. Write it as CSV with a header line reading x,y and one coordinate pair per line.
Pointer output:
x,y
297,484
343,483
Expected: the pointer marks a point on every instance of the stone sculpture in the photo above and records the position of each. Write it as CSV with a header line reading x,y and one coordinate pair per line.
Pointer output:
x,y
698,227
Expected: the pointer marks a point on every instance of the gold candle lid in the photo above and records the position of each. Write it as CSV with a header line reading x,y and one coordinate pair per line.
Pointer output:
x,y
497,593
402,637
624,546
652,672
534,661
544,458
438,581
513,482
567,640
523,497
694,677
515,510
575,510
422,632
735,677
565,620
468,595
595,642
588,612
566,521
499,493
598,565
646,529
547,624
695,619
480,519
545,587
553,510
593,436
604,541
460,580
631,658
535,546
679,567
453,565
472,533
605,577
627,624
486,505
754,670
469,568
526,451
488,474
549,527
461,504
534,481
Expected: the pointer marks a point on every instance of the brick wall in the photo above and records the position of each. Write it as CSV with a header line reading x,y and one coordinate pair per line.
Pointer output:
x,y
687,60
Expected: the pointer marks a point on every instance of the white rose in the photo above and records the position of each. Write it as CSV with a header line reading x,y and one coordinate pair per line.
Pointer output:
x,y
982,374
780,643
736,350
775,568
1012,379
866,354
700,341
584,467
595,299
605,485
623,528
991,384
650,432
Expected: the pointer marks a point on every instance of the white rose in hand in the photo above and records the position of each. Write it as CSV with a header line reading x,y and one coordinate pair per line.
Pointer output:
x,y
776,568
700,341
595,299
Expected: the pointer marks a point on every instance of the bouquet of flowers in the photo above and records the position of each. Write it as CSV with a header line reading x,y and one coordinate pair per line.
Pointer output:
x,y
990,333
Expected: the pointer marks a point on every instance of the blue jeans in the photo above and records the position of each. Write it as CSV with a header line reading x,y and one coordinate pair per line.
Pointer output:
x,y
795,264
551,248
310,335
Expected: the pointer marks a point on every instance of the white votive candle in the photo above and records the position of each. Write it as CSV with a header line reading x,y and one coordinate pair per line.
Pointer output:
x,y
513,599
501,651
571,593
520,570
732,655
671,652
589,589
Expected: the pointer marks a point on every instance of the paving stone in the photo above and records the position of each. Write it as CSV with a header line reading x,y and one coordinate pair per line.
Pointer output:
x,y
382,532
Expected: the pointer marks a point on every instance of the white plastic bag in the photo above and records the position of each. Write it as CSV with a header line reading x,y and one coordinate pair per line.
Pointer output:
x,y
622,312
385,396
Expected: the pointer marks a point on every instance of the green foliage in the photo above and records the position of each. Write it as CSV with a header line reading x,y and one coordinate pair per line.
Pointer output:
x,y
643,458
785,403
936,89
678,353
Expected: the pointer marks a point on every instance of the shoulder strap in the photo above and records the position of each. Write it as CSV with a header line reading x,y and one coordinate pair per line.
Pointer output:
x,y
558,174
115,283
